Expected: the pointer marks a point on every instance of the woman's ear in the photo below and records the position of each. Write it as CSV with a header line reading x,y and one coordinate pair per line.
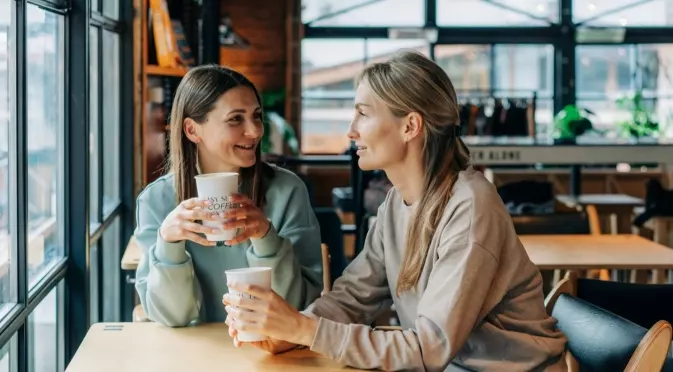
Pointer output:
x,y
191,129
413,126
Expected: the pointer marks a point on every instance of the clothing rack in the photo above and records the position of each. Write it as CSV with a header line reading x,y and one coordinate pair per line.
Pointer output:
x,y
487,113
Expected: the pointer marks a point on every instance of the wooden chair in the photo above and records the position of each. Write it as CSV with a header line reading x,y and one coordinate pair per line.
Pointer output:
x,y
139,314
600,340
326,271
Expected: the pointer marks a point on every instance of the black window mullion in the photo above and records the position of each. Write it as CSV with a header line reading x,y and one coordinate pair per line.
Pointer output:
x,y
100,139
77,190
127,133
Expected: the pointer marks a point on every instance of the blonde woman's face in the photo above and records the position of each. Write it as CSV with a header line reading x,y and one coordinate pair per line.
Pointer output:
x,y
377,133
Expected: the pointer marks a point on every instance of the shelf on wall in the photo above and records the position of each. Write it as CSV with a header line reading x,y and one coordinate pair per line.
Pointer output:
x,y
165,71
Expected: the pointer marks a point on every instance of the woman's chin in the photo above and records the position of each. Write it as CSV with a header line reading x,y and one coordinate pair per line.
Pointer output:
x,y
247,163
366,165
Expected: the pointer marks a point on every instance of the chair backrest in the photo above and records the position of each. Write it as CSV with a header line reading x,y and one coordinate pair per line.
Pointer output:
x,y
332,237
557,223
602,341
643,304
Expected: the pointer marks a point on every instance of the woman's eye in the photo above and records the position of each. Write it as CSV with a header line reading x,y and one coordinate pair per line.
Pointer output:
x,y
361,113
258,116
236,119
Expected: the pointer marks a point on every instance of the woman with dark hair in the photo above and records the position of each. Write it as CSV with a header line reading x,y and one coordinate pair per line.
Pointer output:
x,y
216,126
443,250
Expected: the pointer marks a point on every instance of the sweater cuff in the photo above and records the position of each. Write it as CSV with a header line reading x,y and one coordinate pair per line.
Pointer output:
x,y
269,245
330,338
171,253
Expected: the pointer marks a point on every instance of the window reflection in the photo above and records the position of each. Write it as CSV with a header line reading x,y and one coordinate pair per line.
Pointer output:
x,y
6,103
45,111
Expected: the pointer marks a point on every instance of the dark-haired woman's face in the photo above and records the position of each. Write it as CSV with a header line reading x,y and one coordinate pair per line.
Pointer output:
x,y
232,131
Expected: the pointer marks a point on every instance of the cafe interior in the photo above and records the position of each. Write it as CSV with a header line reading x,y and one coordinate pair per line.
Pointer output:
x,y
566,107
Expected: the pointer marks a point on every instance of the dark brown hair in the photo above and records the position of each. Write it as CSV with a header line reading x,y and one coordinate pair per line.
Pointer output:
x,y
410,82
195,97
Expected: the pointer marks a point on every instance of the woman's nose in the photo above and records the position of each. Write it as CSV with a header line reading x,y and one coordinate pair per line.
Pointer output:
x,y
254,129
352,133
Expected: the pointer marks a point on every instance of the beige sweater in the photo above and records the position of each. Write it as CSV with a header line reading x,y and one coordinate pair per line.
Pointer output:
x,y
478,304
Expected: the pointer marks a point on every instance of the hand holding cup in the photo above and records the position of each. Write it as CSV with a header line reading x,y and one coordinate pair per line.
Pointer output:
x,y
181,223
250,220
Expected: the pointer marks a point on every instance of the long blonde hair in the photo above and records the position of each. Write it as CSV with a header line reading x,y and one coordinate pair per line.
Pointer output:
x,y
195,97
409,82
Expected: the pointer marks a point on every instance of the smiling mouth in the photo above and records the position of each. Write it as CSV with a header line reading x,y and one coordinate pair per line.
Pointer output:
x,y
245,147
361,147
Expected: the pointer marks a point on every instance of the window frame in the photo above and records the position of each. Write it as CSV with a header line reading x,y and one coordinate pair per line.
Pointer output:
x,y
69,275
560,35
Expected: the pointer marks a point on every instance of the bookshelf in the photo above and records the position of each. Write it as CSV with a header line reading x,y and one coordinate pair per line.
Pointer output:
x,y
154,70
155,83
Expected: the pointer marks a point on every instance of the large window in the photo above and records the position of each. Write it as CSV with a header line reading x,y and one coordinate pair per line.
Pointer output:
x,y
61,110
497,13
329,70
520,74
44,334
631,13
45,138
6,110
111,122
94,126
610,79
363,12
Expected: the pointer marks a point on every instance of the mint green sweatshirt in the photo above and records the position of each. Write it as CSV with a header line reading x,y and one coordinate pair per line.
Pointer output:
x,y
184,281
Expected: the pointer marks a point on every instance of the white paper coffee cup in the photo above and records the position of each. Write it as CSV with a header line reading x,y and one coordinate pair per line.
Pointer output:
x,y
218,189
259,276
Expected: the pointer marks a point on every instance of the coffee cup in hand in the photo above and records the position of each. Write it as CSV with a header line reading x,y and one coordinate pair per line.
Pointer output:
x,y
218,189
259,276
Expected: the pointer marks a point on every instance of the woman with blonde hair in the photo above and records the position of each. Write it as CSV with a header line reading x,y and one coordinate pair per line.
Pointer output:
x,y
216,126
443,250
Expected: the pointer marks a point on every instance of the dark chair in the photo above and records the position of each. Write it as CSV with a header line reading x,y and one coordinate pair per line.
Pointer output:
x,y
528,197
599,340
642,304
557,223
332,237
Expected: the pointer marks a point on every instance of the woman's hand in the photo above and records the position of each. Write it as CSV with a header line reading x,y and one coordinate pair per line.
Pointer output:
x,y
270,346
270,315
181,223
248,218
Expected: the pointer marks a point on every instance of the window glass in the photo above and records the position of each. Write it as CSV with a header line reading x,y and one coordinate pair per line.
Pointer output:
x,y
45,138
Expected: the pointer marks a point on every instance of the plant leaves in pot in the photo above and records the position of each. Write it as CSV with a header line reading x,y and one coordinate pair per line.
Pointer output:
x,y
571,122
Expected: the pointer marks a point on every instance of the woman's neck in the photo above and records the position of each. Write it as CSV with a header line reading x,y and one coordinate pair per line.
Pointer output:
x,y
207,164
408,177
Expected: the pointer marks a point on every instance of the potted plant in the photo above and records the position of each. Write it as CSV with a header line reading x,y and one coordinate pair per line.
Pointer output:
x,y
571,122
277,131
641,121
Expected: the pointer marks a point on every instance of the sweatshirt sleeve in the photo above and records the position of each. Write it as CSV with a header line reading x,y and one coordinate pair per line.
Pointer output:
x,y
447,313
292,250
165,279
362,292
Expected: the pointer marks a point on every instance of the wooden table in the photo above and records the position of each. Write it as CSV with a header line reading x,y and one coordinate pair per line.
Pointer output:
x,y
619,208
145,347
584,252
132,255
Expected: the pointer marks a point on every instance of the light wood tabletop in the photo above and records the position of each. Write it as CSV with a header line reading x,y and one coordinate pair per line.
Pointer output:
x,y
145,347
132,255
550,252
611,200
